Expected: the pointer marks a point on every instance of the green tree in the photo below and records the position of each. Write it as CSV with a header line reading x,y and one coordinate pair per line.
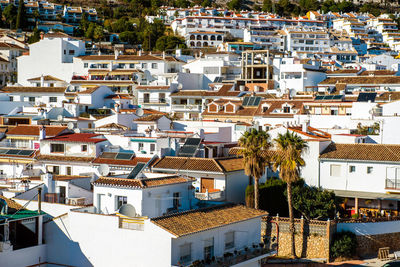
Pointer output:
x,y
288,161
36,16
206,3
235,4
98,33
169,42
10,14
346,6
35,37
308,5
255,146
128,37
344,244
89,34
21,16
329,5
267,6
313,202
371,8
151,33
182,3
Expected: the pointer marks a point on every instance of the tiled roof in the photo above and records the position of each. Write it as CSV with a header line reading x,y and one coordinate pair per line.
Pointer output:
x,y
46,78
193,221
378,73
130,57
149,118
78,137
224,91
111,161
362,80
364,152
33,130
152,87
8,45
141,183
68,177
30,89
63,158
219,165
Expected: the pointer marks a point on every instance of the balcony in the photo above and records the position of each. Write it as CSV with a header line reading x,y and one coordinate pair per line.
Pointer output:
x,y
240,257
215,196
152,101
392,184
186,108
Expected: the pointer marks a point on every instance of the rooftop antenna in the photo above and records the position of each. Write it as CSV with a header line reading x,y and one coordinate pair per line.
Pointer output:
x,y
104,169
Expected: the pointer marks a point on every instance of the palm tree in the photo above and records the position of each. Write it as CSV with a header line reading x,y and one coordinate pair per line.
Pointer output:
x,y
289,161
255,145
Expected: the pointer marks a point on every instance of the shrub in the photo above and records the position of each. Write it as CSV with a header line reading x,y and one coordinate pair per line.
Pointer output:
x,y
344,245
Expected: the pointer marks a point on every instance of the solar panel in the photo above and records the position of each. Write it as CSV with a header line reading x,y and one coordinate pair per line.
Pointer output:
x,y
124,156
3,151
251,101
108,155
138,168
12,152
337,97
218,79
257,101
192,141
246,101
365,97
26,152
319,97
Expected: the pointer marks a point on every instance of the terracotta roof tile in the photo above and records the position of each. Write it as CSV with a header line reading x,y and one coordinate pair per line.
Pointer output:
x,y
193,221
132,162
12,205
41,157
193,164
141,183
362,80
33,130
29,89
68,177
155,117
45,78
78,137
364,152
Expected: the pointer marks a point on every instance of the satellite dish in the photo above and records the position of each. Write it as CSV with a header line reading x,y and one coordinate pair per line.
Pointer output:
x,y
70,125
60,117
127,210
292,93
77,130
180,86
139,112
104,169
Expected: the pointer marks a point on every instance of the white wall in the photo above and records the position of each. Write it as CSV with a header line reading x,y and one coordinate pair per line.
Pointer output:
x,y
24,257
376,228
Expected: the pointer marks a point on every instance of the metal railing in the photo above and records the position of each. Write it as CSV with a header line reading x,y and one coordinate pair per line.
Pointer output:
x,y
393,184
179,107
218,195
152,101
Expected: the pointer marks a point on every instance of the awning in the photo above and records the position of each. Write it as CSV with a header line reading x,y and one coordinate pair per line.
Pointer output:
x,y
127,72
366,195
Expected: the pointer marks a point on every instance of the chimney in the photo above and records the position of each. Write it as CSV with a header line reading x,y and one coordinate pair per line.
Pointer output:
x,y
99,53
48,181
140,52
117,108
41,36
148,132
116,54
163,54
42,80
42,132
305,126
178,52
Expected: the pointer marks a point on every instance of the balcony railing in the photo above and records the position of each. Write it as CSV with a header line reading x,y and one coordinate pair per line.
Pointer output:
x,y
152,101
393,184
217,195
189,107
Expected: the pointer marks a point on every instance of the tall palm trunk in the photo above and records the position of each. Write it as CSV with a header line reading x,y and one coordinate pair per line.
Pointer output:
x,y
291,217
256,193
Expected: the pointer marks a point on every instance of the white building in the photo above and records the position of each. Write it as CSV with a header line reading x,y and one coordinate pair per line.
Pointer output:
x,y
52,55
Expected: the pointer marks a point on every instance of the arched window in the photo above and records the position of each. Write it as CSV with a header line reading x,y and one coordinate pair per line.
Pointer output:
x,y
191,44
198,37
192,37
219,38
205,44
205,37
212,38
198,44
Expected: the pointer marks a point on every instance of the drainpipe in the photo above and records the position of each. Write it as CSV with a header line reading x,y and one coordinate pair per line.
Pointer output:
x,y
39,200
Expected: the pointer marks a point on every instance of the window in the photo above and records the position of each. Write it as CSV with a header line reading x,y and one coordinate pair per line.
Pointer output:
x,y
53,169
209,248
85,65
84,148
185,253
31,99
335,170
352,168
334,111
65,52
370,169
229,240
132,66
140,146
144,65
104,66
154,65
152,148
71,52
121,200
176,200
317,111
265,108
161,97
69,170
52,99
11,98
286,109
56,148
